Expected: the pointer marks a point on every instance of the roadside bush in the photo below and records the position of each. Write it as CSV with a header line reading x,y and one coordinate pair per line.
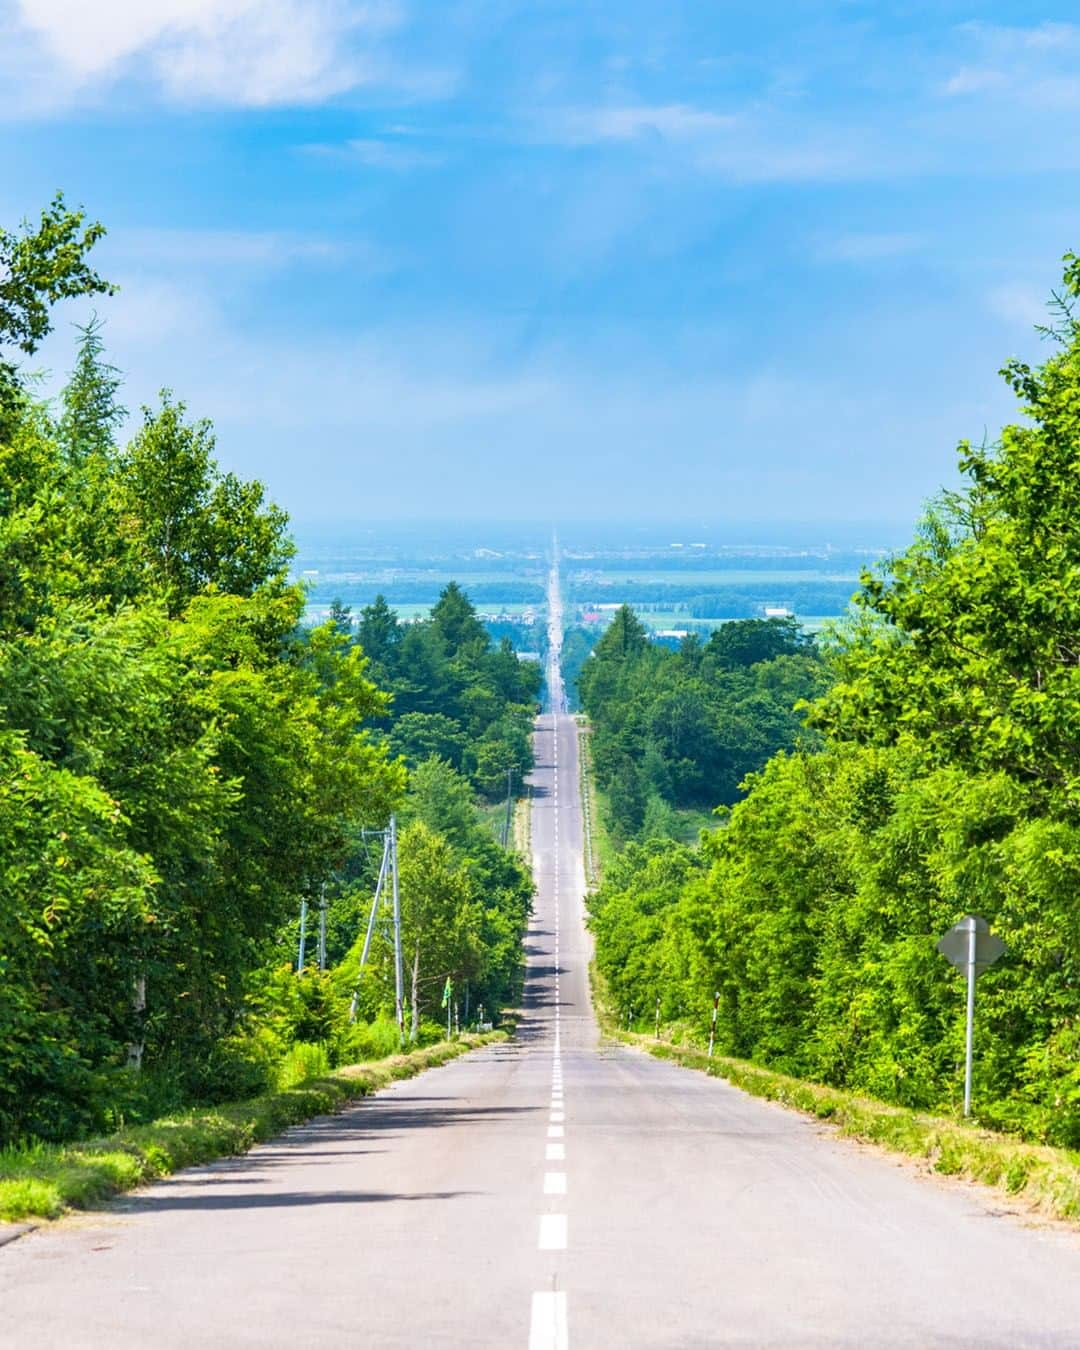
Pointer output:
x,y
301,1062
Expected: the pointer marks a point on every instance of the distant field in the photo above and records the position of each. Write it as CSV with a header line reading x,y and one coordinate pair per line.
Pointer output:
x,y
675,618
669,589
579,582
392,576
317,610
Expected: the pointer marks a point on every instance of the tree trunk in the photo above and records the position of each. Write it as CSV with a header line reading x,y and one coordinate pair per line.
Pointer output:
x,y
135,1048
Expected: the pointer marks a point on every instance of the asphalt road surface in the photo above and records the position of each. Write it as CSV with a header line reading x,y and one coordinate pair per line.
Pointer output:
x,y
551,1192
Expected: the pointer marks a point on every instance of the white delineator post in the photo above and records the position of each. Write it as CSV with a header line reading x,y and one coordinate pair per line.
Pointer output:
x,y
712,1028
969,1033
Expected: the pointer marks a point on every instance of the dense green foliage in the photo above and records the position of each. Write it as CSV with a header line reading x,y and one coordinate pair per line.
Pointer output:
x,y
181,760
683,728
947,785
577,647
465,906
455,694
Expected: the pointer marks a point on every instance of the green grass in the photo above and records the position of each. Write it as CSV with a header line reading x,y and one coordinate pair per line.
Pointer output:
x,y
691,821
1045,1179
599,850
522,832
43,1180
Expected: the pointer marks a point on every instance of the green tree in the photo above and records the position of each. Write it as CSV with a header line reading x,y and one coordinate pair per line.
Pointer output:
x,y
91,414
38,267
341,617
441,919
191,527
454,620
419,736
379,633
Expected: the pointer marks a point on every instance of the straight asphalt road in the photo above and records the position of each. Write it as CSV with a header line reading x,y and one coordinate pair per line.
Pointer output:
x,y
550,1192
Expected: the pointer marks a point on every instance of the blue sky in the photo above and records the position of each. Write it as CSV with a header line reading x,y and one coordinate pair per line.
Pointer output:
x,y
599,258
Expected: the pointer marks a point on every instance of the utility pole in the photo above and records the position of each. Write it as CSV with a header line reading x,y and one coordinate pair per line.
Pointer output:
x,y
322,927
384,866
506,822
399,978
388,868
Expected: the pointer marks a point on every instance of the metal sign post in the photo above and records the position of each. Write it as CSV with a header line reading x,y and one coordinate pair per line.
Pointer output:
x,y
971,947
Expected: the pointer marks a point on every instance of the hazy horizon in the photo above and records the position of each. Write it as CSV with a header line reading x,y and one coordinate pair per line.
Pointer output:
x,y
658,532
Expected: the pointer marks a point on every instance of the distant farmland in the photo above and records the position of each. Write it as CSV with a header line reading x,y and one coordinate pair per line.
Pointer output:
x,y
669,588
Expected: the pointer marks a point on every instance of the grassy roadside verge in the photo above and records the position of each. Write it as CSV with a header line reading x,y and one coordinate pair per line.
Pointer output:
x,y
44,1180
597,846
1043,1179
523,828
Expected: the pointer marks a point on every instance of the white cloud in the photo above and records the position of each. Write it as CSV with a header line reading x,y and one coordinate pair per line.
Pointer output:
x,y
258,250
755,144
868,247
676,121
755,157
971,80
1018,302
374,153
150,313
241,52
1036,65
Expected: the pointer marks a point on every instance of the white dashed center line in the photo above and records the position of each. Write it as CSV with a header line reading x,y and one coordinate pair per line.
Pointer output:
x,y
547,1330
552,1233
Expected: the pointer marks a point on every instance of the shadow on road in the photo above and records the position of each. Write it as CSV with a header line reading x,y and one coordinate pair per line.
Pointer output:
x,y
158,1202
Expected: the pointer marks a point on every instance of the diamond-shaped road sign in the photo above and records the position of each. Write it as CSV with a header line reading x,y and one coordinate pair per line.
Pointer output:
x,y
955,945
